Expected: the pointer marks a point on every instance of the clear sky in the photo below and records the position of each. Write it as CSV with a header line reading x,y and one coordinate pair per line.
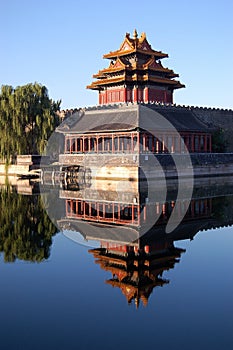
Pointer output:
x,y
60,44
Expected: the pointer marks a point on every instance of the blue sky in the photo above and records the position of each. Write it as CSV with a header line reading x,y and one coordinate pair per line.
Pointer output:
x,y
60,44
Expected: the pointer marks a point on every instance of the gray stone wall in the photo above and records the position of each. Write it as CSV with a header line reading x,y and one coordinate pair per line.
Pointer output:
x,y
218,118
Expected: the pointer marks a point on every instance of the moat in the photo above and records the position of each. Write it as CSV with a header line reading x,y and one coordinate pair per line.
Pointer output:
x,y
97,269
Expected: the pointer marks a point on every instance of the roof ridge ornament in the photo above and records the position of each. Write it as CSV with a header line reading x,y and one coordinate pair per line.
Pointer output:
x,y
143,36
135,34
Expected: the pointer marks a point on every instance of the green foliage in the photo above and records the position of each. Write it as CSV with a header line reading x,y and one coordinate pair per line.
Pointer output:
x,y
25,228
27,119
219,142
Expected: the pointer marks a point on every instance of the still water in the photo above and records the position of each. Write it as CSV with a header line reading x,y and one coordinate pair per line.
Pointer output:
x,y
60,291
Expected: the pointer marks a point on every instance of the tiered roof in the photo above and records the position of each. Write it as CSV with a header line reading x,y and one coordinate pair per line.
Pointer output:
x,y
135,62
137,276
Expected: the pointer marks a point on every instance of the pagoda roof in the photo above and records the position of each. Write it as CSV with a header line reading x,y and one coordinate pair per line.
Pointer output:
x,y
135,282
135,78
113,67
136,293
157,66
135,62
135,45
130,117
119,66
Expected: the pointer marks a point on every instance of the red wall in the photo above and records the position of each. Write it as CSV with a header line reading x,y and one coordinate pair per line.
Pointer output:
x,y
112,96
134,95
160,95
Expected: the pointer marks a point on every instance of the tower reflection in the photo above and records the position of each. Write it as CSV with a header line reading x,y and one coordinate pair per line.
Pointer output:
x,y
133,246
137,271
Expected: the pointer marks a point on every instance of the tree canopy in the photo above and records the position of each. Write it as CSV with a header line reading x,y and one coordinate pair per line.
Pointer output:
x,y
27,119
26,231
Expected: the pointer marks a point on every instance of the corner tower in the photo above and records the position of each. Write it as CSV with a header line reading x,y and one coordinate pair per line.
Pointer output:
x,y
135,74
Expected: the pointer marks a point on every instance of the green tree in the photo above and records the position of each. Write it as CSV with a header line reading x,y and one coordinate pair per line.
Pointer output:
x,y
27,119
219,141
26,231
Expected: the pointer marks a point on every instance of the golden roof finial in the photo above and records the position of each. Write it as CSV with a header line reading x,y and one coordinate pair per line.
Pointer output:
x,y
143,35
135,34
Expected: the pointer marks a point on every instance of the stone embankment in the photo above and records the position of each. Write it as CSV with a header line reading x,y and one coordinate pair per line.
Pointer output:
x,y
26,165
204,164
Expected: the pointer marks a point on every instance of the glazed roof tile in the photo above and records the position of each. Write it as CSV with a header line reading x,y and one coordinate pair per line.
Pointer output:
x,y
130,117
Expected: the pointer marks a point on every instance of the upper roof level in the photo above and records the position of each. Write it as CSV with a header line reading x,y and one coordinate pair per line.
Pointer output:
x,y
135,74
133,45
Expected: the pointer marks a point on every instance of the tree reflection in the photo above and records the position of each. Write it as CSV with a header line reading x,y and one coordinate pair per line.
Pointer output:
x,y
25,229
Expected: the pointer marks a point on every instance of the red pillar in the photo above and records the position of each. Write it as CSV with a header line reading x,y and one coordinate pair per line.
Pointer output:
x,y
173,144
135,94
163,144
139,214
146,94
158,145
125,94
165,96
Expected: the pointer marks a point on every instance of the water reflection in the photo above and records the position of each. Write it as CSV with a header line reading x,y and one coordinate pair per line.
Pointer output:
x,y
127,224
136,253
25,229
136,271
137,268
